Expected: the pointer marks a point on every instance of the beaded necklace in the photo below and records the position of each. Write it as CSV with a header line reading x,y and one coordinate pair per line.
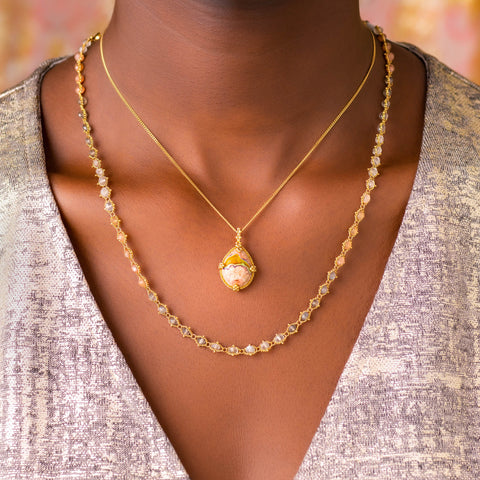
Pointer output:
x,y
323,290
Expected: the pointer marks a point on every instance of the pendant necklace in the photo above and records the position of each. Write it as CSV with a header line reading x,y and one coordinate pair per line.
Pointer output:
x,y
237,268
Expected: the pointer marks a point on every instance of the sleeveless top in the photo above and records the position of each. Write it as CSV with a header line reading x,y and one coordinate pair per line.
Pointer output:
x,y
406,405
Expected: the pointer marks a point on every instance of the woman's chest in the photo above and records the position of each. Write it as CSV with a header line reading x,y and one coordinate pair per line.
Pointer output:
x,y
229,416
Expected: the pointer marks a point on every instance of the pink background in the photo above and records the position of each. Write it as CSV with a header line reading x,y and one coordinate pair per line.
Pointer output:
x,y
33,30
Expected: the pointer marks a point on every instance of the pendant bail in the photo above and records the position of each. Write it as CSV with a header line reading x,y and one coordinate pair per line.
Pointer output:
x,y
238,238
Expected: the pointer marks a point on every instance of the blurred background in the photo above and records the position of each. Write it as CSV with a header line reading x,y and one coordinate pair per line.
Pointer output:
x,y
33,30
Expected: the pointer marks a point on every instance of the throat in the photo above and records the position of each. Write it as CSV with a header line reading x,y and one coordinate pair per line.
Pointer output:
x,y
235,66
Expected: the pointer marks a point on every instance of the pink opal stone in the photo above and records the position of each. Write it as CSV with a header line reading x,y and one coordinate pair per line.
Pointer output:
x,y
237,269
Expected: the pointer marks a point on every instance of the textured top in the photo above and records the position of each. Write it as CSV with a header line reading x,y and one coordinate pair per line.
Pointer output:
x,y
405,407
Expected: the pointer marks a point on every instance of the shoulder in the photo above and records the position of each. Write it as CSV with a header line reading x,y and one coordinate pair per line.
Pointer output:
x,y
20,122
21,145
452,111
22,159
446,191
450,152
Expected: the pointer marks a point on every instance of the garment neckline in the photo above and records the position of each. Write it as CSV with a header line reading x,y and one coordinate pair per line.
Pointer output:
x,y
348,372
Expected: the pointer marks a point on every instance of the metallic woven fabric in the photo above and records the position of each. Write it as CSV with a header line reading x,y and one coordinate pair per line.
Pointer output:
x,y
407,403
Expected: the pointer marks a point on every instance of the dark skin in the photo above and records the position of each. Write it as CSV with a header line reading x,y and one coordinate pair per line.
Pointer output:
x,y
238,92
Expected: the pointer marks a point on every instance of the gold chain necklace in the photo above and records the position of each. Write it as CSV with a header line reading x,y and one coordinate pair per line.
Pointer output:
x,y
323,290
237,268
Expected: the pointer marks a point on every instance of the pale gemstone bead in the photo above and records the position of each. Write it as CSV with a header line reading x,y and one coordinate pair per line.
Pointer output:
x,y
201,341
375,161
353,231
250,349
264,346
162,310
304,317
279,338
315,303
379,139
340,261
103,181
366,198
324,290
173,320
292,328
347,244
233,350
141,283
373,171
105,192
121,237
332,276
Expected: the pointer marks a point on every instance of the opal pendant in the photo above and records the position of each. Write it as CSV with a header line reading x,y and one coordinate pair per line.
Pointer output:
x,y
237,268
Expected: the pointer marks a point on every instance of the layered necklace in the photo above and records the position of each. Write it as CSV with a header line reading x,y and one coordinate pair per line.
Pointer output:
x,y
237,268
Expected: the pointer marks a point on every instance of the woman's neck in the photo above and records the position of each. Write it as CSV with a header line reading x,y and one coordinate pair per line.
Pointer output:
x,y
242,66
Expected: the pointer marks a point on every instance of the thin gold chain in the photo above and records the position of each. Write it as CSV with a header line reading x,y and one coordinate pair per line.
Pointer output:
x,y
289,176
314,303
